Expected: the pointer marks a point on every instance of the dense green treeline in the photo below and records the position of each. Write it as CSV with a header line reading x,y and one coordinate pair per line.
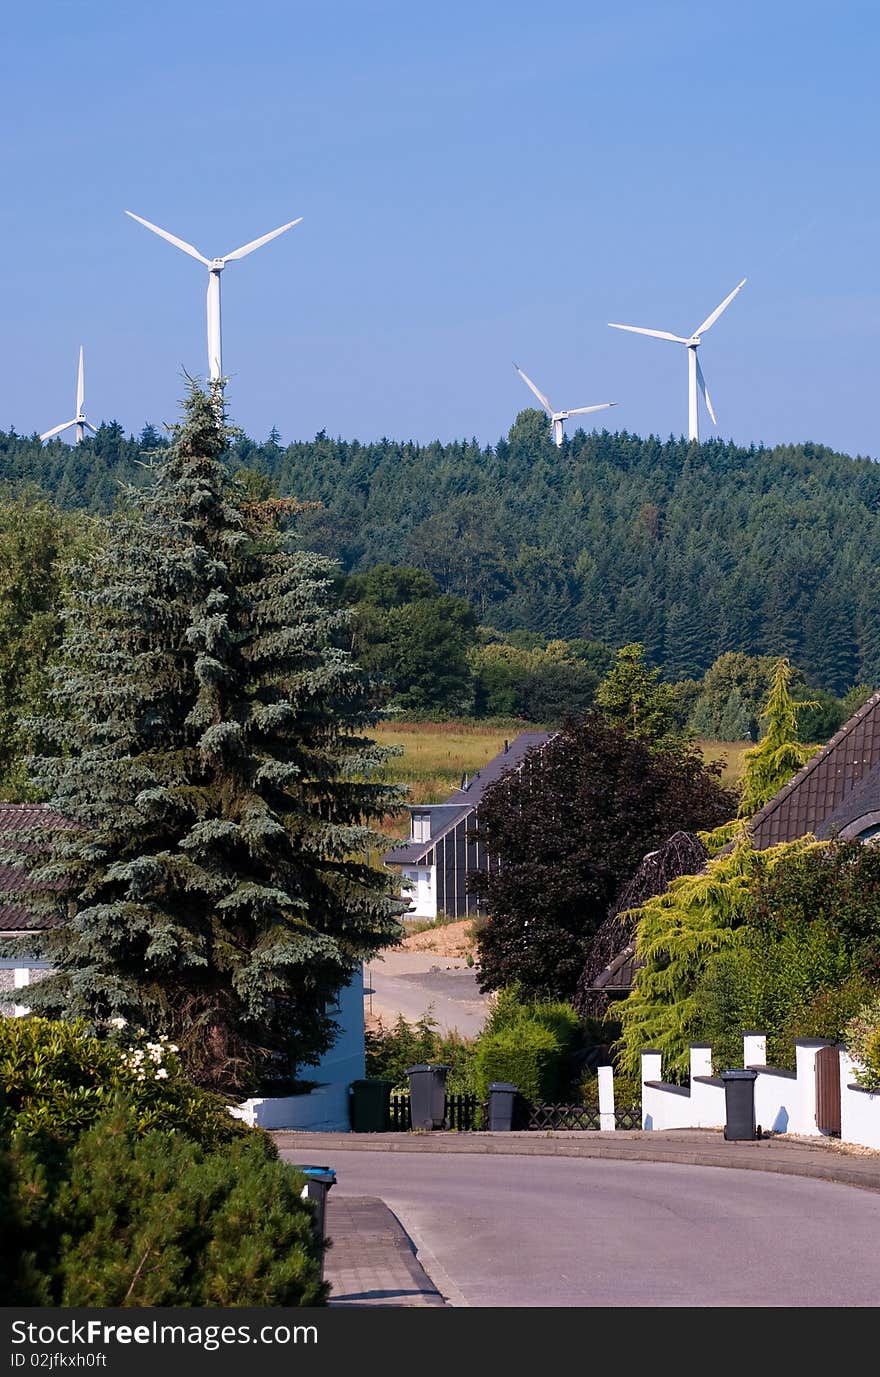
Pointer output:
x,y
691,550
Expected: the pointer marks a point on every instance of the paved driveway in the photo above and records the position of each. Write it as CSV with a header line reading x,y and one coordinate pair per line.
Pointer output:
x,y
513,1231
414,983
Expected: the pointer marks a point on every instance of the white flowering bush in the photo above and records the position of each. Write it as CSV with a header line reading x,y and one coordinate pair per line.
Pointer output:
x,y
58,1077
862,1040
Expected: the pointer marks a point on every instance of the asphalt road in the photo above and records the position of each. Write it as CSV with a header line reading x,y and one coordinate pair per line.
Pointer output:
x,y
515,1231
415,983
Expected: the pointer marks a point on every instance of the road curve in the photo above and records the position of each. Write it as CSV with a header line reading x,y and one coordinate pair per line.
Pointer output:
x,y
562,1231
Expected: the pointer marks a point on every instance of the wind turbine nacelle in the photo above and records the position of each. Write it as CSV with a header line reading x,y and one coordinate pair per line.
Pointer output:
x,y
694,341
560,416
217,265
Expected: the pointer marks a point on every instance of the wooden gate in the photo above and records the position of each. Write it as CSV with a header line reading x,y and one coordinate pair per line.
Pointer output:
x,y
828,1090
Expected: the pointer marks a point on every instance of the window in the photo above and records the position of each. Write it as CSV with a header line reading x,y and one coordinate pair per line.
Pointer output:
x,y
421,827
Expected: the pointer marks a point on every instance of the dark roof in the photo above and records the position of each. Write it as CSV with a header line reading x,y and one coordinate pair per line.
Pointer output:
x,y
465,799
619,973
824,786
15,819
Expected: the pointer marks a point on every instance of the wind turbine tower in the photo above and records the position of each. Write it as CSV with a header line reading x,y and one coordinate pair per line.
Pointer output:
x,y
215,267
695,372
558,417
79,419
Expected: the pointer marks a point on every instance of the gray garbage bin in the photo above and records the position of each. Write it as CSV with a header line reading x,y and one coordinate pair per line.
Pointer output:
x,y
427,1096
318,1183
739,1103
370,1105
502,1102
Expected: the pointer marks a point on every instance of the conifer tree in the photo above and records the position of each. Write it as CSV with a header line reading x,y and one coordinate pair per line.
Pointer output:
x,y
779,754
634,697
210,749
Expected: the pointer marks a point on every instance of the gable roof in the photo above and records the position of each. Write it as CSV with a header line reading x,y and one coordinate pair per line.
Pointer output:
x,y
465,799
827,784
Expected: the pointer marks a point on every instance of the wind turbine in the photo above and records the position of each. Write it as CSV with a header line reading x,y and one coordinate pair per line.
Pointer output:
x,y
557,417
215,267
79,419
695,372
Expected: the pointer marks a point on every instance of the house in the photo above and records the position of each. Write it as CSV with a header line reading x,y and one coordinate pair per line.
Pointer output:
x,y
436,859
836,794
19,970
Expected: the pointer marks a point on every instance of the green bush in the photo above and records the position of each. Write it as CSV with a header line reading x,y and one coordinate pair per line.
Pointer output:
x,y
526,1054
156,1219
510,1009
390,1051
122,1184
57,1078
862,1039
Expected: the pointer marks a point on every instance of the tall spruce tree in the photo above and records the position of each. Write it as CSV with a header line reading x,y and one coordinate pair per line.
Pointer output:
x,y
211,751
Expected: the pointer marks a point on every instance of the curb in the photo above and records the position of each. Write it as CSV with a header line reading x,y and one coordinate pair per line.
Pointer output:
x,y
676,1147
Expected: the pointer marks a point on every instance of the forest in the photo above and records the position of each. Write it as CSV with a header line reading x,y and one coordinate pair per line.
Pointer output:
x,y
692,551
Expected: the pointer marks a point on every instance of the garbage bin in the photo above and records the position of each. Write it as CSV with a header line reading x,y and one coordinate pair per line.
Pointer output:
x,y
318,1183
739,1103
427,1096
370,1106
502,1100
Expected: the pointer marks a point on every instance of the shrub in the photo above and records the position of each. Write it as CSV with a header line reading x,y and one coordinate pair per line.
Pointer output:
x,y
511,1008
122,1184
59,1077
862,1040
156,1219
390,1051
527,1054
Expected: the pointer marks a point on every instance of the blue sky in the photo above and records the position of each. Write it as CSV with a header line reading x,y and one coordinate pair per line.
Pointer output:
x,y
479,183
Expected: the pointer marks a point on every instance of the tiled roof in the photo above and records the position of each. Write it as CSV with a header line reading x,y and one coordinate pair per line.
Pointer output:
x,y
465,799
818,790
17,818
619,974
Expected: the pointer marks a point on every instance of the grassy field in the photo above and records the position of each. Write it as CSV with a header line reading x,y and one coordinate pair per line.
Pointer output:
x,y
437,754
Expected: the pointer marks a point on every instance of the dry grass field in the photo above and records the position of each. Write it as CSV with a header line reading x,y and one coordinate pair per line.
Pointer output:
x,y
437,754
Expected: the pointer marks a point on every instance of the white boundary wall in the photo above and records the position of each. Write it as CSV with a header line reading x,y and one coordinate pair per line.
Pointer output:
x,y
785,1101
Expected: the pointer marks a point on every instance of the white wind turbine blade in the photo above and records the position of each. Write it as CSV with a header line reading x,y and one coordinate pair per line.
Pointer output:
x,y
88,425
710,320
56,430
640,330
583,410
258,243
701,383
172,239
80,387
540,395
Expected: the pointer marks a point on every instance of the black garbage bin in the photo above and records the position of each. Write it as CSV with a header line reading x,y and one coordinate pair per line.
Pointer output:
x,y
369,1106
739,1103
318,1183
427,1096
502,1103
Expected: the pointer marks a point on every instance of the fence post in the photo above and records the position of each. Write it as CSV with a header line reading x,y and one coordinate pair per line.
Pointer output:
x,y
607,1122
652,1066
700,1059
754,1049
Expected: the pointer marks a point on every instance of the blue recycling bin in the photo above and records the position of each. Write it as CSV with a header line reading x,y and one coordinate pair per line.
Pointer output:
x,y
318,1182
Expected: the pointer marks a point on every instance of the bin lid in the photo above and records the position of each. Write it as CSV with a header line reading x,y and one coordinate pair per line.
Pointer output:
x,y
503,1085
410,1069
739,1075
315,1171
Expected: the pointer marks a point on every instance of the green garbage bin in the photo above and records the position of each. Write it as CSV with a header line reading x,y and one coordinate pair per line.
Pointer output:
x,y
370,1106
